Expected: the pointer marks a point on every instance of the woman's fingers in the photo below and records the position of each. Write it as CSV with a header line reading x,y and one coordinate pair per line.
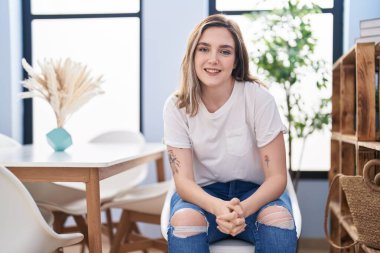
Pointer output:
x,y
237,230
238,221
223,230
235,201
228,217
224,227
230,227
235,205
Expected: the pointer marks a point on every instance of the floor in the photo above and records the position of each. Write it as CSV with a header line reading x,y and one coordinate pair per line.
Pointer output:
x,y
305,246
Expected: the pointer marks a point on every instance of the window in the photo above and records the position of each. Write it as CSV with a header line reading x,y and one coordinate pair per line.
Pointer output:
x,y
105,35
327,27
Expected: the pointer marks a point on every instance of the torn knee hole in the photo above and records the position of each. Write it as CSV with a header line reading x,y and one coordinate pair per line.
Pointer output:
x,y
276,216
187,222
186,231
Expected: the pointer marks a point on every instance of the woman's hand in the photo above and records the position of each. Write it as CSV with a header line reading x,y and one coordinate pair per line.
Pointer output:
x,y
231,220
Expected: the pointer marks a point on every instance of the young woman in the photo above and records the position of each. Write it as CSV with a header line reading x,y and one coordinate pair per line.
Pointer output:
x,y
226,149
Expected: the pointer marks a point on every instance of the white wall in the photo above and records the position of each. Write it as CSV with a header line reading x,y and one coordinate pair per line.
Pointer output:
x,y
354,11
166,27
10,71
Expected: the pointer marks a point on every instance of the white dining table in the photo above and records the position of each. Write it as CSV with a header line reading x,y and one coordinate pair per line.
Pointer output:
x,y
88,163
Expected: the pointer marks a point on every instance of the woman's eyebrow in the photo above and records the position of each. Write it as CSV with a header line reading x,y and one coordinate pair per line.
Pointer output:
x,y
203,44
208,45
226,46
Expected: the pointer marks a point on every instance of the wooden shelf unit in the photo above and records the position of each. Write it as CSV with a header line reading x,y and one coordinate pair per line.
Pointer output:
x,y
355,131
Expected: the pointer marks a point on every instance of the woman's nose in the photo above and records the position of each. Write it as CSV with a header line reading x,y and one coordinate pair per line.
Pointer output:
x,y
213,58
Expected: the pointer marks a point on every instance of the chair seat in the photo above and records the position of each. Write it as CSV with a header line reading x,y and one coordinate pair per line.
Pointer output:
x,y
69,201
114,186
147,199
232,245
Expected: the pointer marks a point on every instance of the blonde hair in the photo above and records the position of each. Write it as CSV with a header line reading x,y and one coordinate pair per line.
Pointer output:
x,y
189,92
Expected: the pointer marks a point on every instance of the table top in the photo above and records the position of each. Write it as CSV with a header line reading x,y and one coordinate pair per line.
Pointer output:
x,y
79,155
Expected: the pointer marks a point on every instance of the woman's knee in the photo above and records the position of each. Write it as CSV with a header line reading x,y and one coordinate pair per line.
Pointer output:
x,y
276,216
187,222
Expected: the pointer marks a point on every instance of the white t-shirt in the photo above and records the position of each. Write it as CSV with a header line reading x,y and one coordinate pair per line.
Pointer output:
x,y
225,143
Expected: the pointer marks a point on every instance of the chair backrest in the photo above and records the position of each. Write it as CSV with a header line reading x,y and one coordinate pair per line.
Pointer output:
x,y
7,142
23,229
165,216
119,136
117,185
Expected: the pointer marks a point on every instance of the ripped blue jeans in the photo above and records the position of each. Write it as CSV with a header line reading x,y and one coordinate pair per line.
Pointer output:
x,y
266,238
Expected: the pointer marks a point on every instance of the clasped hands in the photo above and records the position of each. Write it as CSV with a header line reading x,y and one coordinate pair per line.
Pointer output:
x,y
230,217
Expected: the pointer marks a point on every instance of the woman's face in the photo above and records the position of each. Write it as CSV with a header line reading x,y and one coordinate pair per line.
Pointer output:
x,y
215,57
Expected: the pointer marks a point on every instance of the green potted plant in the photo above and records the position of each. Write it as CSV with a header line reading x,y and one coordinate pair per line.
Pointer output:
x,y
284,53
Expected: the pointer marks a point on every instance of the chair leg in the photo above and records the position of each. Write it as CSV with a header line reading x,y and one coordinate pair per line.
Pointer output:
x,y
59,221
82,225
122,229
109,225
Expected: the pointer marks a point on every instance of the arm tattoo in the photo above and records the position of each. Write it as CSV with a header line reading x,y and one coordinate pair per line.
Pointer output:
x,y
174,162
266,159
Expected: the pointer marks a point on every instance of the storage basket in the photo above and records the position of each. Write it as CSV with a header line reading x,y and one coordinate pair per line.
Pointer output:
x,y
363,199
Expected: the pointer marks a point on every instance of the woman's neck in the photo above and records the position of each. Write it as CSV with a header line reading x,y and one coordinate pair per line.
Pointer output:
x,y
215,97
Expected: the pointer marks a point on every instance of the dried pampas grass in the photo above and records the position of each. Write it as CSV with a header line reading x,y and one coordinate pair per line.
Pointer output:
x,y
66,85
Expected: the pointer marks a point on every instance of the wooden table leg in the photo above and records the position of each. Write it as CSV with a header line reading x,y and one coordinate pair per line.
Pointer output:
x,y
160,168
93,212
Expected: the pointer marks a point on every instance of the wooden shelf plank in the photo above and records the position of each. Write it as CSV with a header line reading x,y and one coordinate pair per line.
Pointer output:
x,y
345,221
347,138
337,65
370,144
365,92
350,55
336,136
377,49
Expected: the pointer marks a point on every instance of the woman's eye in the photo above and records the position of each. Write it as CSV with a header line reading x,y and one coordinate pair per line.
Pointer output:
x,y
203,49
225,52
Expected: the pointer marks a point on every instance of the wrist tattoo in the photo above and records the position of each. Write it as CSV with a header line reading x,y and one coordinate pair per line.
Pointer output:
x,y
174,162
266,159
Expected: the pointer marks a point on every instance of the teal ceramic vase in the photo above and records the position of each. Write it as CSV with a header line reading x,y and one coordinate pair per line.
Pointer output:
x,y
59,139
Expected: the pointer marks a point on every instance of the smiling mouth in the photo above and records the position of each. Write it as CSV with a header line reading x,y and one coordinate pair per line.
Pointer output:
x,y
212,71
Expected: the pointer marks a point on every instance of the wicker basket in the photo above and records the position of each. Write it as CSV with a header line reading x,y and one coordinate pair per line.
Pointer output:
x,y
363,198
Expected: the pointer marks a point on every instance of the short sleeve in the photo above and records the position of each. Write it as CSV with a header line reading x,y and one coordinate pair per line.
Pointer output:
x,y
176,130
267,120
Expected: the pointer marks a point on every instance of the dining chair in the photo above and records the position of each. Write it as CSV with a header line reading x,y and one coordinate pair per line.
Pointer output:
x,y
142,204
8,142
23,229
121,183
233,245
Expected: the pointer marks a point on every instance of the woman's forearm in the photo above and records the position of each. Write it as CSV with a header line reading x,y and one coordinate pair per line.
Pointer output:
x,y
193,193
271,189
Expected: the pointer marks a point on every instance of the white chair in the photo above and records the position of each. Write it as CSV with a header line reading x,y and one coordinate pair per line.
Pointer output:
x,y
7,142
233,245
23,228
142,204
121,183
